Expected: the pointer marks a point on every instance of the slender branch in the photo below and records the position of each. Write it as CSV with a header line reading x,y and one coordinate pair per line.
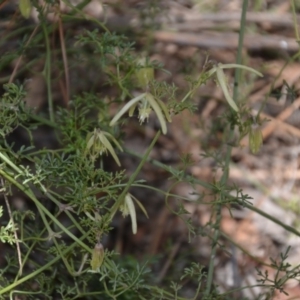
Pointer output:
x,y
15,228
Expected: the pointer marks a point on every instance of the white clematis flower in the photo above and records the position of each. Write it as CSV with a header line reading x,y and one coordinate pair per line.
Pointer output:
x,y
221,78
127,208
147,103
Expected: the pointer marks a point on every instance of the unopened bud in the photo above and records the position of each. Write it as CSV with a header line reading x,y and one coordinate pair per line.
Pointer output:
x,y
144,74
25,8
97,257
255,139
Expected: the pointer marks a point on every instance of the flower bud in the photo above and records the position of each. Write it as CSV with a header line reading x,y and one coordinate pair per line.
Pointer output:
x,y
97,257
255,139
144,74
98,142
25,8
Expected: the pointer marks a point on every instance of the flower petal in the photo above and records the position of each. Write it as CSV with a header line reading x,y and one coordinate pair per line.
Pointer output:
x,y
125,108
158,112
141,206
229,66
132,213
165,110
113,139
109,147
91,139
221,80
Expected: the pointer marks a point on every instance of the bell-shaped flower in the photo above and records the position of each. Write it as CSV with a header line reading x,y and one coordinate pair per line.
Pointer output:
x,y
127,208
99,142
221,79
147,102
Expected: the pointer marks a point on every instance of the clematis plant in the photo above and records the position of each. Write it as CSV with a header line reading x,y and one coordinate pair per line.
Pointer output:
x,y
98,142
127,208
147,103
221,79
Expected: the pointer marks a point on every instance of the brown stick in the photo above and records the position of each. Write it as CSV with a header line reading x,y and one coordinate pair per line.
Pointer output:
x,y
227,40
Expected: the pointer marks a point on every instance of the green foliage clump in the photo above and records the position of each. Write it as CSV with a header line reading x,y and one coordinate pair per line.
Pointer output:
x,y
57,248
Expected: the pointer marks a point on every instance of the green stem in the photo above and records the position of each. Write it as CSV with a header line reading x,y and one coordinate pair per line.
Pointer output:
x,y
133,177
47,73
224,178
237,74
211,187
35,240
170,170
271,218
43,209
10,163
295,21
45,267
76,13
70,216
